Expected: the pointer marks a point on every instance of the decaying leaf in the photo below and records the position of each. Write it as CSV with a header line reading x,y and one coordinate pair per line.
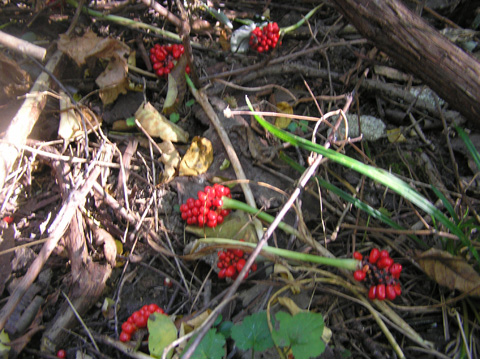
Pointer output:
x,y
90,45
14,80
450,271
157,125
176,87
170,158
283,122
105,239
198,158
113,80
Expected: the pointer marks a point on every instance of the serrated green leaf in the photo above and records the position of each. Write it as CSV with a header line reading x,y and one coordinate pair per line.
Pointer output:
x,y
253,333
162,332
302,333
211,346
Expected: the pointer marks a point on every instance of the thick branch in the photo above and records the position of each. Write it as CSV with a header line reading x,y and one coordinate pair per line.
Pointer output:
x,y
419,49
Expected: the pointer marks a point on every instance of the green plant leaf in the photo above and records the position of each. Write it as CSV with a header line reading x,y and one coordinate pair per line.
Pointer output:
x,y
446,203
377,174
211,346
302,333
174,117
470,146
253,333
162,332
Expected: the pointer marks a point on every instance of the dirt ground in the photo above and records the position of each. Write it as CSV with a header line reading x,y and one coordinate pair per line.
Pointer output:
x,y
96,218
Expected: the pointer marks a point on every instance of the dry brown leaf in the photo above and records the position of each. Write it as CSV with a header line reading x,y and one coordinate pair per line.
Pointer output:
x,y
113,80
450,271
81,48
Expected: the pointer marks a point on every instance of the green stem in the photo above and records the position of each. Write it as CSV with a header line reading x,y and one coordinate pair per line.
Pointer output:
x,y
345,263
229,203
285,30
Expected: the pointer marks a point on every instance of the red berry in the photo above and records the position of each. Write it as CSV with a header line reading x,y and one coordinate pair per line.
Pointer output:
x,y
61,354
359,275
125,337
139,319
230,271
238,253
357,256
396,270
391,294
240,264
8,219
372,293
384,254
129,328
384,262
381,292
153,307
398,289
222,273
254,267
374,255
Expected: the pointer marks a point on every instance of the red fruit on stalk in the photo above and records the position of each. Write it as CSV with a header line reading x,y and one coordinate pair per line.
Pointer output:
x,y
372,293
265,39
396,270
231,270
390,291
125,337
359,275
129,328
381,294
164,58
62,354
374,255
384,262
357,256
207,208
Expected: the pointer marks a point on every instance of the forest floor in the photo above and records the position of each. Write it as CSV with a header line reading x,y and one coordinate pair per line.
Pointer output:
x,y
94,221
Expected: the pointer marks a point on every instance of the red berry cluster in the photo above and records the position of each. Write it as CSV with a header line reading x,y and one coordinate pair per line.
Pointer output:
x,y
138,319
265,39
231,262
207,208
164,58
381,273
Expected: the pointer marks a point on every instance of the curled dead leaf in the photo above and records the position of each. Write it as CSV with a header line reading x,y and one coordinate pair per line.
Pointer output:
x,y
170,158
450,271
198,158
157,125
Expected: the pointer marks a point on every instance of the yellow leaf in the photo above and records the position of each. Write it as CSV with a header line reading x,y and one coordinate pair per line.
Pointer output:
x,y
157,125
283,122
450,271
395,135
198,158
170,158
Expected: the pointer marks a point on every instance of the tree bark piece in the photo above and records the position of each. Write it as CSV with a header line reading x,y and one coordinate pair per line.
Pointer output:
x,y
420,49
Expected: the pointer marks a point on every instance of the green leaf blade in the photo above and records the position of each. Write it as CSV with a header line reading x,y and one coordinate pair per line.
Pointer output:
x,y
162,332
211,346
253,333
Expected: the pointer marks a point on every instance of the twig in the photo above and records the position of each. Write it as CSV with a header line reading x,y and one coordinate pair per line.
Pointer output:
x,y
56,231
22,46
